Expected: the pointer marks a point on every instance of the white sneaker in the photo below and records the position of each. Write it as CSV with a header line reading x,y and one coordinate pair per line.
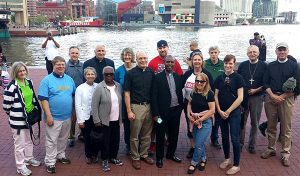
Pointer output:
x,y
32,162
225,164
233,170
24,171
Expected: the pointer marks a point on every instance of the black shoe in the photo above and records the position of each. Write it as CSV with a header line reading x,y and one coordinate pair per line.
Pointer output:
x,y
51,169
202,165
191,171
174,158
216,144
251,150
64,160
190,154
159,163
262,129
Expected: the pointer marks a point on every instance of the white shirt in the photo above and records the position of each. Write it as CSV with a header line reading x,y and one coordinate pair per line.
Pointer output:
x,y
51,50
83,101
114,112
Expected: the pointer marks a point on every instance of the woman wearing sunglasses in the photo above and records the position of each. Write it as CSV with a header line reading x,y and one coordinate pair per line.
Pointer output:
x,y
188,82
107,113
201,107
228,96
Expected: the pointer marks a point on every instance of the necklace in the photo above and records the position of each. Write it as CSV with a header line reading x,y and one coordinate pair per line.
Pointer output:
x,y
252,74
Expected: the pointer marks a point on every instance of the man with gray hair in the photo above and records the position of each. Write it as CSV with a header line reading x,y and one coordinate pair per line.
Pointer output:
x,y
99,62
215,66
138,88
252,71
74,68
279,103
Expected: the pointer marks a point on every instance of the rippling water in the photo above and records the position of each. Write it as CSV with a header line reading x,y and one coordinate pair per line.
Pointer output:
x,y
231,39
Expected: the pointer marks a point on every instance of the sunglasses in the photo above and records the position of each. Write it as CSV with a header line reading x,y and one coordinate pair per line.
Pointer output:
x,y
200,81
108,74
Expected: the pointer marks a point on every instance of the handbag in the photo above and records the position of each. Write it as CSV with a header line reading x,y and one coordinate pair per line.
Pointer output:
x,y
32,118
96,135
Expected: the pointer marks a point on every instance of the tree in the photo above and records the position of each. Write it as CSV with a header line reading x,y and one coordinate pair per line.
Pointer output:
x,y
39,20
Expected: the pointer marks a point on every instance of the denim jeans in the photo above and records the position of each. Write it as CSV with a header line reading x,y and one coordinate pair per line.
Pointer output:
x,y
200,137
233,121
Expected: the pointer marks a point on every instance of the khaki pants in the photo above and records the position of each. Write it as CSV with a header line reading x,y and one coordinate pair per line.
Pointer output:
x,y
23,146
56,140
140,131
283,112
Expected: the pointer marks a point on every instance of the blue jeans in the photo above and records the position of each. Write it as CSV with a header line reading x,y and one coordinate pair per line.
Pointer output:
x,y
233,121
200,137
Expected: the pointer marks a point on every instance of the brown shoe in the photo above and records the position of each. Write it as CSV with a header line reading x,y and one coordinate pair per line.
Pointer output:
x,y
136,164
267,154
148,160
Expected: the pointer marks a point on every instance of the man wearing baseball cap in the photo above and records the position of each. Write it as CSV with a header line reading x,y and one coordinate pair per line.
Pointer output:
x,y
279,103
157,64
256,40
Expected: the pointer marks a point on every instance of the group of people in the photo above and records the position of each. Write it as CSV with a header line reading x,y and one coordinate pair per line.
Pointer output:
x,y
148,99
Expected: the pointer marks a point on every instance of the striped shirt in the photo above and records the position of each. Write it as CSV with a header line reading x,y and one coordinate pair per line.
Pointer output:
x,y
14,104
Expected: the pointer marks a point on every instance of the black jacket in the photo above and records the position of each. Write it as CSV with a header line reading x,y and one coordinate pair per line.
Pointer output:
x,y
161,95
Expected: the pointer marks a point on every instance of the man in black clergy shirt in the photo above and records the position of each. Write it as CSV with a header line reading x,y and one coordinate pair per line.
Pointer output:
x,y
138,89
279,104
252,71
98,62
167,106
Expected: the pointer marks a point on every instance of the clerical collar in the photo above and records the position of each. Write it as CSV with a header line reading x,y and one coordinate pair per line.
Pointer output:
x,y
284,61
57,75
253,62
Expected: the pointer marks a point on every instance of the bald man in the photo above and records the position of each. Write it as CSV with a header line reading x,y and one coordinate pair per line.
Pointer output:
x,y
252,71
98,62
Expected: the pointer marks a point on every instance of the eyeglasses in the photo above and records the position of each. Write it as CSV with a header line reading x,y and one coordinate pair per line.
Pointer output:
x,y
108,74
200,81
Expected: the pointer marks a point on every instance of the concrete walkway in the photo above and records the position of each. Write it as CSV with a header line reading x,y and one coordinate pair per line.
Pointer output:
x,y
251,164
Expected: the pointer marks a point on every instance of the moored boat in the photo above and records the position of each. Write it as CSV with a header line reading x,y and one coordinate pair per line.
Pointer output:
x,y
84,22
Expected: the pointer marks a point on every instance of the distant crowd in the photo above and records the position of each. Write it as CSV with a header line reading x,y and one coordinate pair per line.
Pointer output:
x,y
147,99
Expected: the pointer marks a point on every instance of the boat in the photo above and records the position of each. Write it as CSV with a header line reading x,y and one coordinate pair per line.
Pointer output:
x,y
5,15
245,22
84,22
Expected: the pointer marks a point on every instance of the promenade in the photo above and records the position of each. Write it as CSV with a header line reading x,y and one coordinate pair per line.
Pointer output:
x,y
251,164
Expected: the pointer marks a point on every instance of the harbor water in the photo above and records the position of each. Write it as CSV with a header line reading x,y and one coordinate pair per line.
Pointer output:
x,y
230,39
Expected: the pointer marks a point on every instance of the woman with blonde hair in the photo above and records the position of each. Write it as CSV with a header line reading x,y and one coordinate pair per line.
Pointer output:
x,y
19,102
200,109
189,82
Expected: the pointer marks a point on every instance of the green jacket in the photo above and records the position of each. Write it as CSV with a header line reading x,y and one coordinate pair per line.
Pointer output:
x,y
214,69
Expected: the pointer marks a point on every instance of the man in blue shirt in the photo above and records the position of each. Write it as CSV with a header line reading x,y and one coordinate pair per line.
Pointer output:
x,y
56,93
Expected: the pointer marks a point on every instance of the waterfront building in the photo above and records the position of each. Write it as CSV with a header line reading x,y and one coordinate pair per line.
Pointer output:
x,y
51,10
31,6
240,6
265,8
138,13
74,9
107,11
19,7
186,12
224,18
82,8
289,17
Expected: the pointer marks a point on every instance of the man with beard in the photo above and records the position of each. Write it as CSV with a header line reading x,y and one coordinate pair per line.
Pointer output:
x,y
157,64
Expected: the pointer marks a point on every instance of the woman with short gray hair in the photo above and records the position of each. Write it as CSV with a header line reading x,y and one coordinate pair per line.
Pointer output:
x,y
83,101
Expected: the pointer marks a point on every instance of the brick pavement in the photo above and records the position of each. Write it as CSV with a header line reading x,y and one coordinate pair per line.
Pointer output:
x,y
251,165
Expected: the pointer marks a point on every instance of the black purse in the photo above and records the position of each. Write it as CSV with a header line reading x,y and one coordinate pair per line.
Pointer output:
x,y
32,118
